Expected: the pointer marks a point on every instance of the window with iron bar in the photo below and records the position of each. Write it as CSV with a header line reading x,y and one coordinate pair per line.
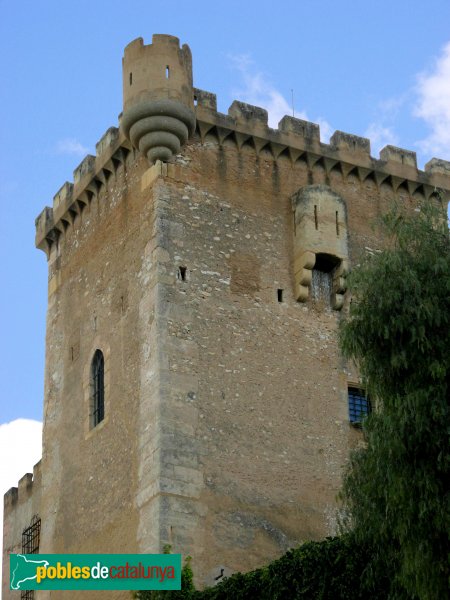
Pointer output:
x,y
358,406
30,545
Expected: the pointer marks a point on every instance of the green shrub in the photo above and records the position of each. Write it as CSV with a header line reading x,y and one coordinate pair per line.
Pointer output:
x,y
332,569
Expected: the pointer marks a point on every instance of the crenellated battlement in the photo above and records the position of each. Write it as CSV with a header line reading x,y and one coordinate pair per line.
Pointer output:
x,y
245,126
88,178
24,490
299,139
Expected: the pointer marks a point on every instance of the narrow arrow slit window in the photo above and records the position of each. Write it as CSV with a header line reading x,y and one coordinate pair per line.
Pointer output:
x,y
98,388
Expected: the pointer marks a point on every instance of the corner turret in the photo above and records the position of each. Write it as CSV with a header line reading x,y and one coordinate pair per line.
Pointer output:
x,y
158,97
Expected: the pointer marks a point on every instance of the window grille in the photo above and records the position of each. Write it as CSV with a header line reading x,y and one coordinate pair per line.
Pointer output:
x,y
358,406
30,545
31,536
98,388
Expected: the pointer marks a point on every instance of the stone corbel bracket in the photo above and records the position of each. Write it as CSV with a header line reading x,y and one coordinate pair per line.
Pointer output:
x,y
339,285
304,265
246,125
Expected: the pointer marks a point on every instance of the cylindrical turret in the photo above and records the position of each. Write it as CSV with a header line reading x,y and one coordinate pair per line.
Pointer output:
x,y
158,98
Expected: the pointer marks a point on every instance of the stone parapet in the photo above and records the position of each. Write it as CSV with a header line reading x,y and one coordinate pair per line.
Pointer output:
x,y
22,508
89,177
299,139
247,125
24,490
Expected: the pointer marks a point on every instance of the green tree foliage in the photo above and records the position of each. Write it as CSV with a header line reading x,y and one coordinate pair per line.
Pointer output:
x,y
397,488
326,570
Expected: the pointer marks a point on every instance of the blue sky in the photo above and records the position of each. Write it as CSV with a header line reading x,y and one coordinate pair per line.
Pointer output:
x,y
374,69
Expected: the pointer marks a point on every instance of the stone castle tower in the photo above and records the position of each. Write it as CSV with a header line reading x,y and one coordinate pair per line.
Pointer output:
x,y
194,390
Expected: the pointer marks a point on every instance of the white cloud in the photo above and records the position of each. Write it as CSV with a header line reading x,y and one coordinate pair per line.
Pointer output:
x,y
20,450
71,146
257,89
326,131
381,130
390,108
433,105
380,135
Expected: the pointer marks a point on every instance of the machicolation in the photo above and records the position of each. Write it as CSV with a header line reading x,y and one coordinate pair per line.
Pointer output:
x,y
158,128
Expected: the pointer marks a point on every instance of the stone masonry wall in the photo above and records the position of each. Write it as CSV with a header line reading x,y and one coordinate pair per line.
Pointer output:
x,y
101,296
254,415
20,505
226,425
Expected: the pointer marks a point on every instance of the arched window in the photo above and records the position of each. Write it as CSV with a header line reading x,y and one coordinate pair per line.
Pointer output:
x,y
98,388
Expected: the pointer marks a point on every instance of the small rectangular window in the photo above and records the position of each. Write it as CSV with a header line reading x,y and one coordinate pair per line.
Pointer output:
x,y
358,406
280,295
